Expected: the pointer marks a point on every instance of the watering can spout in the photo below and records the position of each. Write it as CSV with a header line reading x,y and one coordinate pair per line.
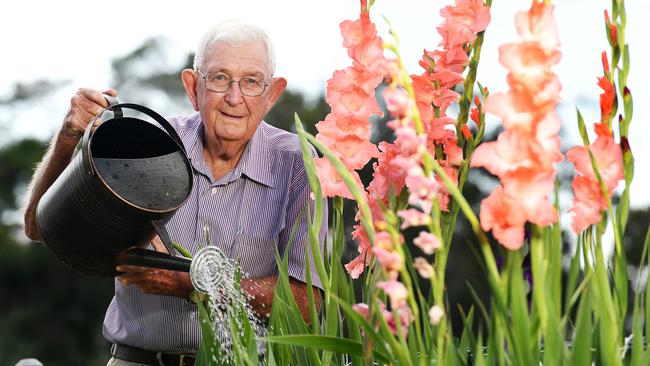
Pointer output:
x,y
149,258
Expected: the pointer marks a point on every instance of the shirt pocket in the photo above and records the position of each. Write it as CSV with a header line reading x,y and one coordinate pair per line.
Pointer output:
x,y
256,256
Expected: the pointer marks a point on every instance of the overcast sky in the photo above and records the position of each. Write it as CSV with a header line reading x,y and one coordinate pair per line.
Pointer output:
x,y
76,40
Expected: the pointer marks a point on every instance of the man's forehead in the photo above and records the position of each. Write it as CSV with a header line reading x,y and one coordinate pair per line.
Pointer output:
x,y
251,58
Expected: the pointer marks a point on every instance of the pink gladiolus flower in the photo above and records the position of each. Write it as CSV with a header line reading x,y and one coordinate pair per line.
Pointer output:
x,y
435,314
410,143
390,261
413,217
423,187
427,242
397,101
362,309
396,291
383,240
423,267
356,266
405,317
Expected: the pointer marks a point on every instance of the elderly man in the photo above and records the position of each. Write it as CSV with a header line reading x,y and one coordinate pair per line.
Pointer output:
x,y
250,187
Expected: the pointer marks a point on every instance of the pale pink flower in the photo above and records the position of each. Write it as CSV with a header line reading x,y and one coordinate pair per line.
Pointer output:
x,y
410,143
420,185
356,266
424,268
396,291
397,101
362,309
427,242
413,217
436,314
405,318
391,261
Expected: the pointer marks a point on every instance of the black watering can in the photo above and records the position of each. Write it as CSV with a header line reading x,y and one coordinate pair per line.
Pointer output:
x,y
128,178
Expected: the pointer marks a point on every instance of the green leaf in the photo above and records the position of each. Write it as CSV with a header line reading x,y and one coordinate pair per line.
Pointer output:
x,y
366,215
582,128
583,335
341,346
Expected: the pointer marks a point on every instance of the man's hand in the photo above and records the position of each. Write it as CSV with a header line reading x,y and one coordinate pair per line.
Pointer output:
x,y
156,281
84,106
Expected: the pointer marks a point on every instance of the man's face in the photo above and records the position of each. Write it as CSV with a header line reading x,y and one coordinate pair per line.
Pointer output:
x,y
231,116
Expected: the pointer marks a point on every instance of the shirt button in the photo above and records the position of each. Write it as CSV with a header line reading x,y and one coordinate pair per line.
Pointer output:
x,y
213,190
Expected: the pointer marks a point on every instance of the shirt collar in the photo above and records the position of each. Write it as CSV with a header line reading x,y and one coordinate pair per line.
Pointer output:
x,y
254,162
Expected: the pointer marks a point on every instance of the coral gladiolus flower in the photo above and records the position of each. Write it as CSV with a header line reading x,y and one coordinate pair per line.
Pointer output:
x,y
525,154
589,201
504,217
606,98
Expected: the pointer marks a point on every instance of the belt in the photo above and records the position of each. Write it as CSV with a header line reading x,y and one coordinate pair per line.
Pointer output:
x,y
152,358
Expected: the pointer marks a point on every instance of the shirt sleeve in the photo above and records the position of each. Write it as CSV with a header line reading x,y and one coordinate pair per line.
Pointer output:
x,y
299,198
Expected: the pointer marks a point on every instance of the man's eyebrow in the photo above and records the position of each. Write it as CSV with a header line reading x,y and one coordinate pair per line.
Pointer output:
x,y
255,74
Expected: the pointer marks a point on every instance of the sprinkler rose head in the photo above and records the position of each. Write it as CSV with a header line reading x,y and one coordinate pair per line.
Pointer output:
x,y
208,268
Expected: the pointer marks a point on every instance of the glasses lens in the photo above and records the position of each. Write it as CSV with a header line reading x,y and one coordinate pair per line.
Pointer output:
x,y
251,87
217,82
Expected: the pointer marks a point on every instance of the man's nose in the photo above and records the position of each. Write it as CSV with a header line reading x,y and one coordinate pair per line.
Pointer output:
x,y
233,93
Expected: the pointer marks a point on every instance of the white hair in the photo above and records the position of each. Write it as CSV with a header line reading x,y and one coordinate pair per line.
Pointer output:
x,y
235,33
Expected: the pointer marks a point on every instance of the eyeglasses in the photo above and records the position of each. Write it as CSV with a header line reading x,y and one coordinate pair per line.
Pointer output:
x,y
219,82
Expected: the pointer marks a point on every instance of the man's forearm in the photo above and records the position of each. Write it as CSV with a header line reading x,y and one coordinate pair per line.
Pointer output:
x,y
261,291
54,162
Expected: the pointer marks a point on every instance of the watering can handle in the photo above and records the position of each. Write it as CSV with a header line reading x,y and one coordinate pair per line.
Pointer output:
x,y
116,107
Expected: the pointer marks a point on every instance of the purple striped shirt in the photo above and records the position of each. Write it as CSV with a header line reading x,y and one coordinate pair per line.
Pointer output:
x,y
249,213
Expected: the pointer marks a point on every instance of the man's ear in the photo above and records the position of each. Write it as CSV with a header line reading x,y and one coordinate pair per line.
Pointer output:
x,y
275,91
190,78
